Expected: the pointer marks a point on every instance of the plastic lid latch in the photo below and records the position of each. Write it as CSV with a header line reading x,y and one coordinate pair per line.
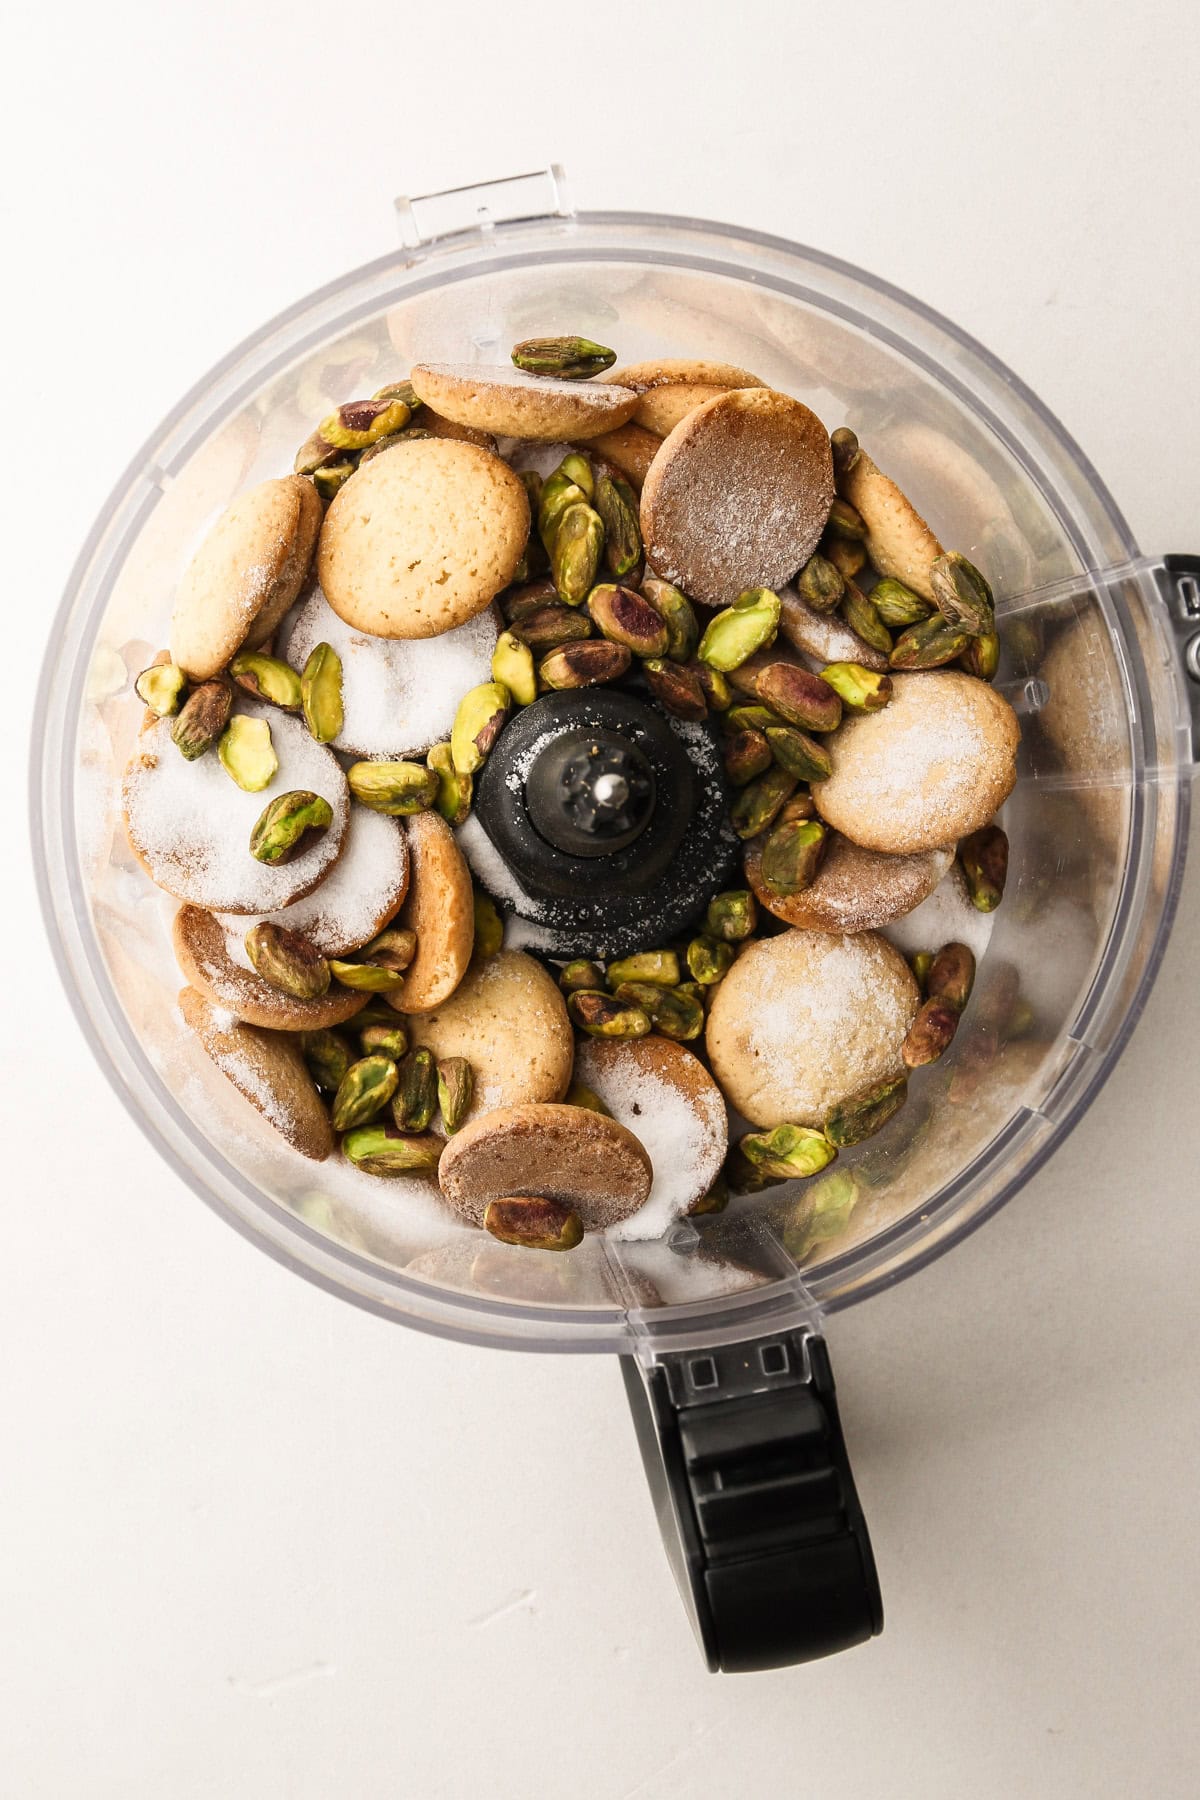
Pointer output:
x,y
755,1499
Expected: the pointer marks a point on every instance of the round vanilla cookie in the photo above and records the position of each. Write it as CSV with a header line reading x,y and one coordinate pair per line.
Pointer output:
x,y
660,409
935,764
630,449
508,1018
899,542
805,1020
189,823
205,960
245,575
512,403
565,1153
855,889
672,371
440,909
361,893
738,495
422,539
267,1069
399,695
662,1093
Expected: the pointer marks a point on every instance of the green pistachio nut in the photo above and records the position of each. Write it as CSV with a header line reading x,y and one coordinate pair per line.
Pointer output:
x,y
920,963
735,633
525,597
862,618
718,694
731,916
547,627
267,678
866,1112
321,693
679,615
798,754
247,754
963,596
399,390
580,974
415,1099
951,976
287,960
333,475
788,1152
617,505
984,859
489,927
381,1149
715,1201
575,557
397,788
676,689
744,1177
844,445
384,1040
622,616
982,656
327,1057
364,1091
455,1090
477,724
845,521
672,1012
792,856
799,696
288,825
584,665
820,582
746,754
533,1222
392,948
750,715
800,806
709,960
759,802
364,977
822,1213
202,718
531,481
362,422
847,557
658,966
576,467
558,493
859,690
513,668
314,453
161,687
930,1034
929,645
897,605
454,791
569,358
602,1015
579,1094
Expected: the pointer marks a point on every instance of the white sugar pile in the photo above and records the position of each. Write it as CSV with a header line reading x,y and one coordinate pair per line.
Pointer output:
x,y
684,1135
486,862
946,917
192,822
398,695
341,914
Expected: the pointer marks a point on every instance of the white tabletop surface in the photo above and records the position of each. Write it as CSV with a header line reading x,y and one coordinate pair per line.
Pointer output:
x,y
261,1546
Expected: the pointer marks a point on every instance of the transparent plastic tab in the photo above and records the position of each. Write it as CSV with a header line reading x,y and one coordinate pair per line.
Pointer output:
x,y
482,205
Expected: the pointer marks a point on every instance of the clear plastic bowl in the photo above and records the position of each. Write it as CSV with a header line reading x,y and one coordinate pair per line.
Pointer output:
x,y
1097,822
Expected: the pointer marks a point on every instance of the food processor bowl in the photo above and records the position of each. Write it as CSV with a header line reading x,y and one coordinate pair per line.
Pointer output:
x,y
720,1321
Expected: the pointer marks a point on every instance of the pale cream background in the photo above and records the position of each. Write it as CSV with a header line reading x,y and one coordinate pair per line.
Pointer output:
x,y
256,1545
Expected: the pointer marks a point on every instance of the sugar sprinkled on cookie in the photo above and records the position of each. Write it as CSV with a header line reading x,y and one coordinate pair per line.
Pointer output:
x,y
363,890
511,403
509,1019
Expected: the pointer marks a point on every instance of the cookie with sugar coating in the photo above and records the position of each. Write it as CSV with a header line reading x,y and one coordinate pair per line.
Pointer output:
x,y
899,542
204,958
511,403
508,1018
669,371
440,908
738,495
854,889
805,1020
267,1069
422,539
566,1153
934,765
245,575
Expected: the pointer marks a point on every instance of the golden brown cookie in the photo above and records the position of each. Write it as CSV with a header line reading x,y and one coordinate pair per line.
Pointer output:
x,y
899,542
189,823
440,908
361,893
662,1093
420,540
511,403
935,764
630,450
807,1019
509,1019
266,1067
558,1152
738,495
668,371
660,409
246,574
824,636
855,889
206,960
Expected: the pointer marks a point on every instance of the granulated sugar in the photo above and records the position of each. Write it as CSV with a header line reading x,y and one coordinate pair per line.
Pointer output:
x,y
486,862
343,913
192,822
947,917
398,695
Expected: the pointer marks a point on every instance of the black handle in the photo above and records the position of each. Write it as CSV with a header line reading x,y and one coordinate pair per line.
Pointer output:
x,y
755,1500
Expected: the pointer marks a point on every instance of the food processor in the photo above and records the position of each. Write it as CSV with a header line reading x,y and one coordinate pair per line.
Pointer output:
x,y
719,1325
